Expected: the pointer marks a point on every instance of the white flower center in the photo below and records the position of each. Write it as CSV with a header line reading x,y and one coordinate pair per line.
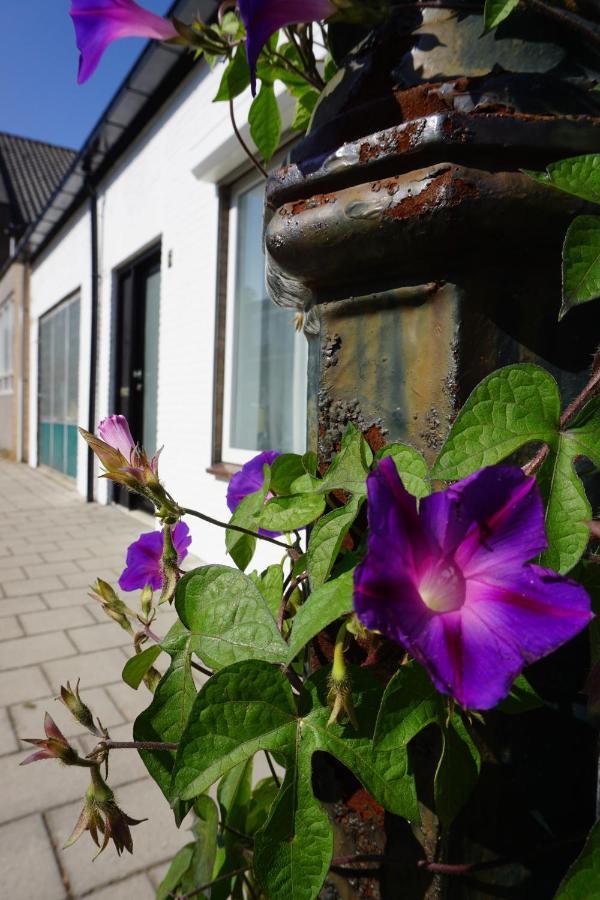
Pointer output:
x,y
442,587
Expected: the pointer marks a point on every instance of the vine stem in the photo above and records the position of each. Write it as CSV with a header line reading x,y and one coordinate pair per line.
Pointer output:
x,y
243,143
204,887
194,665
133,745
272,768
294,583
228,527
572,409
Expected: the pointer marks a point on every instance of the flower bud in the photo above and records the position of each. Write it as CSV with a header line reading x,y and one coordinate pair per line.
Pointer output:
x,y
112,605
55,746
82,713
169,567
101,814
340,684
146,601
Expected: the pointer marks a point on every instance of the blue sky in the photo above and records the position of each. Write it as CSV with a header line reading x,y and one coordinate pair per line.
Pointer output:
x,y
39,94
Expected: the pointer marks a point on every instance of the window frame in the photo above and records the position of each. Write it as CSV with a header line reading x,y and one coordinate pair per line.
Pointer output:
x,y
226,457
7,363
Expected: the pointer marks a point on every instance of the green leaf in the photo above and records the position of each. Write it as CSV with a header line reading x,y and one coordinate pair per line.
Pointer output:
x,y
228,617
205,848
457,771
305,105
249,707
242,709
289,513
136,667
410,703
581,263
327,603
326,540
263,797
522,698
179,866
577,175
234,795
411,467
236,77
166,717
265,121
497,11
567,508
511,407
584,432
270,584
293,849
582,881
241,547
349,469
284,471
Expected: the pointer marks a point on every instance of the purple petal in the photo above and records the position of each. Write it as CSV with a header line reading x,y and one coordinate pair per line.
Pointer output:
x,y
143,563
249,479
386,598
100,22
475,653
494,517
115,432
35,757
52,730
262,18
181,540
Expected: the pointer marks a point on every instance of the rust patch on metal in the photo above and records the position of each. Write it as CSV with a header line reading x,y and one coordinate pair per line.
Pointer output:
x,y
443,189
300,206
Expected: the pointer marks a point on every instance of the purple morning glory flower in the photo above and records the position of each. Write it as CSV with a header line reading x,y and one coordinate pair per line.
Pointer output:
x,y
144,556
452,583
249,480
100,22
262,18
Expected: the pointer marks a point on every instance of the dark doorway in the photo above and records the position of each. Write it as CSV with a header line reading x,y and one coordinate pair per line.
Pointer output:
x,y
136,356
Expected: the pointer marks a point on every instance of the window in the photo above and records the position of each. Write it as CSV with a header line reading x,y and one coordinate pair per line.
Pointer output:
x,y
59,387
264,403
6,346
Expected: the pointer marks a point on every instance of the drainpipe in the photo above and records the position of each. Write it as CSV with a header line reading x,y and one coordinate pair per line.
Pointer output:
x,y
23,312
93,335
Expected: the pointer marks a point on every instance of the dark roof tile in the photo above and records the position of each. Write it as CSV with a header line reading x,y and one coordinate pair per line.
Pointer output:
x,y
31,171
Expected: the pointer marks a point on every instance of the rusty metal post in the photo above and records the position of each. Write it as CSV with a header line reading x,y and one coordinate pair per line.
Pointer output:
x,y
424,258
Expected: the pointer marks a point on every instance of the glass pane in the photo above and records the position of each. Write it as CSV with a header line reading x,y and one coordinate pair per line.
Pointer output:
x,y
268,403
72,399
151,361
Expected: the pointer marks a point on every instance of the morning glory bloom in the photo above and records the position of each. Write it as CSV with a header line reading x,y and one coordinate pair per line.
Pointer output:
x,y
100,22
262,18
115,431
249,480
452,583
144,558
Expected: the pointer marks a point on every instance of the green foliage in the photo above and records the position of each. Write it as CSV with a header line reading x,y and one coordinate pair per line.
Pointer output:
x,y
522,698
136,667
581,262
165,718
514,407
270,584
497,11
236,77
264,120
582,881
290,513
411,467
228,618
249,707
240,546
578,175
457,771
327,603
326,540
194,864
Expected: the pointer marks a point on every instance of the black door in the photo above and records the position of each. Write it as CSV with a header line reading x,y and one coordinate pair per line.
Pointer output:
x,y
136,355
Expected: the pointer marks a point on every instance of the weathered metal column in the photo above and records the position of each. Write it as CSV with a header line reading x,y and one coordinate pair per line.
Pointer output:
x,y
423,259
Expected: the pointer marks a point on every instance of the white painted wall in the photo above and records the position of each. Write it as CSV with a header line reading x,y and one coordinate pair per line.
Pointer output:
x,y
164,188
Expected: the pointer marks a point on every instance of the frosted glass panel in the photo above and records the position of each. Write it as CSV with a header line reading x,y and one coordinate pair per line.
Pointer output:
x,y
268,400
59,388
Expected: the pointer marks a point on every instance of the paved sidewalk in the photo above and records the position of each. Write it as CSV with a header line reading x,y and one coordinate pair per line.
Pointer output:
x,y
52,546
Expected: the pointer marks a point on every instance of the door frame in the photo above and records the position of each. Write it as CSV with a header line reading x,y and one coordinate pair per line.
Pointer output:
x,y
138,269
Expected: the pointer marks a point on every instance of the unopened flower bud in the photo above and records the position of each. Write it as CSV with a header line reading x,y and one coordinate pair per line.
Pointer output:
x,y
340,684
54,746
82,713
112,605
146,601
169,567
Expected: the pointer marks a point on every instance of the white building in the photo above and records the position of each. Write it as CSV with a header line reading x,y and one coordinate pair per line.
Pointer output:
x,y
147,295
